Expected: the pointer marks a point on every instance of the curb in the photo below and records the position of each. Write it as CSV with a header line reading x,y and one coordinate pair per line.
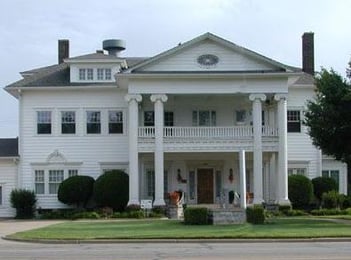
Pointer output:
x,y
165,241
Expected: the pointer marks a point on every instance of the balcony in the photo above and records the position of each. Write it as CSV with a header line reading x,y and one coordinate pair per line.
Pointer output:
x,y
220,138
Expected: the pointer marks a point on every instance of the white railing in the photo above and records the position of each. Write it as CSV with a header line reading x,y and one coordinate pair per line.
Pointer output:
x,y
206,132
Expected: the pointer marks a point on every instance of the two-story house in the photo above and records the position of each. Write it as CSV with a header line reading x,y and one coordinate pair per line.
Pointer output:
x,y
206,117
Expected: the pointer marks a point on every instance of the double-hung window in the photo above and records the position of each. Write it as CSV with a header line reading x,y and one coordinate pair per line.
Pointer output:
x,y
44,122
204,118
334,174
82,73
39,181
93,122
68,122
149,118
294,121
169,118
0,195
72,172
55,178
115,122
104,74
90,74
108,74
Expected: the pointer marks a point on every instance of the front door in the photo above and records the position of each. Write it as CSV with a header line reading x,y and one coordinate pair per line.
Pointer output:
x,y
205,186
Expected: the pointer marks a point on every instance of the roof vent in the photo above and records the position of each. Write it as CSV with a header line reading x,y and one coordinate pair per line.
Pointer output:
x,y
114,46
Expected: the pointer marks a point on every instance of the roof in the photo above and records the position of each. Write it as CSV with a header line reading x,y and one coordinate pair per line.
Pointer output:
x,y
8,147
305,79
219,40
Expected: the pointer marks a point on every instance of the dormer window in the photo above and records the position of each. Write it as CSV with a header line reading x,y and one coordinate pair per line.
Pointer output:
x,y
103,74
81,74
90,74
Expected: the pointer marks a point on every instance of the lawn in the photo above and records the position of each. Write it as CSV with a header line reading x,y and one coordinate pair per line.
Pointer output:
x,y
171,229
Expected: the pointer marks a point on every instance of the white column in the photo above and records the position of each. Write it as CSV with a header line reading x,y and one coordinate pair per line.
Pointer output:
x,y
282,183
159,161
133,100
272,177
257,147
242,171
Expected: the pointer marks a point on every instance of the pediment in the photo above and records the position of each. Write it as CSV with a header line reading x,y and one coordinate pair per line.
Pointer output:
x,y
209,53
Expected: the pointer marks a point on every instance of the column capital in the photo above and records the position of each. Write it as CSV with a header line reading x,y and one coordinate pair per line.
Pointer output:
x,y
256,96
280,96
136,97
161,97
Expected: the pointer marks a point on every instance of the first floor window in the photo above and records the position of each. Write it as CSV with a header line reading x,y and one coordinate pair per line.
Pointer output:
x,y
150,181
299,171
294,121
39,182
334,174
72,173
55,178
44,122
68,122
115,122
93,122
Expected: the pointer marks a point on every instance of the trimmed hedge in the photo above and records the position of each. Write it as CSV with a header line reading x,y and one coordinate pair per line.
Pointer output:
x,y
24,202
332,200
255,215
300,190
76,190
196,216
111,189
322,185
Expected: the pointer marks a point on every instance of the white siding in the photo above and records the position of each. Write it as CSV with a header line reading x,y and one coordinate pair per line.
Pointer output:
x,y
300,147
8,180
86,151
186,60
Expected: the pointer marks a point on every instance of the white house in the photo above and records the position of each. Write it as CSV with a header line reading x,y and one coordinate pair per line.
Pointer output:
x,y
206,117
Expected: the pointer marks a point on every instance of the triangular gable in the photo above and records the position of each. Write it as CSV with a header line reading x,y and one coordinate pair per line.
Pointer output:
x,y
225,55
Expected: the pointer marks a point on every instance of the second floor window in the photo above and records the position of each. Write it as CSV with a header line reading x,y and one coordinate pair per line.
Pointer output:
x,y
115,122
294,121
204,118
68,122
44,122
149,118
93,122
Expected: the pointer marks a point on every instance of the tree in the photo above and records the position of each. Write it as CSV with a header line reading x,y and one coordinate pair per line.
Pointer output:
x,y
329,116
322,185
300,191
76,190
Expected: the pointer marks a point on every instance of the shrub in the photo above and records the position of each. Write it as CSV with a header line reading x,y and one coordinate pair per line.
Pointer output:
x,y
196,216
332,200
284,209
347,202
322,185
111,189
255,215
85,215
133,207
300,191
24,203
295,213
159,210
328,212
76,190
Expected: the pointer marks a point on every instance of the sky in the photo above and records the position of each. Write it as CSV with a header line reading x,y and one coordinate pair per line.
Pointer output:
x,y
29,32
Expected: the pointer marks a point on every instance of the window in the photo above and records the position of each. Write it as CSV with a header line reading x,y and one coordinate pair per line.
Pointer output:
x,y
108,74
93,122
204,118
82,74
55,178
294,121
44,122
149,118
115,122
90,74
39,182
100,74
68,122
150,181
299,171
218,184
72,173
169,118
192,185
0,195
240,116
334,174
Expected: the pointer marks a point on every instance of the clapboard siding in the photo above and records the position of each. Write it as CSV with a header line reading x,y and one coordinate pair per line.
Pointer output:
x,y
186,60
8,181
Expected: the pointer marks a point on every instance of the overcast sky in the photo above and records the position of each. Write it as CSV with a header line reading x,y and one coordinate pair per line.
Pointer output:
x,y
29,31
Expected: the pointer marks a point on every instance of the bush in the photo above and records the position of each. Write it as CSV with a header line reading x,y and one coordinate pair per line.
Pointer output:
x,y
332,200
196,216
111,189
347,202
295,213
159,211
328,212
76,190
322,185
255,215
300,191
24,203
284,209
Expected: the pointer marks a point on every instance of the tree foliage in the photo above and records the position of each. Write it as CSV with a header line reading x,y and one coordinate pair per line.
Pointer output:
x,y
76,190
300,191
322,185
329,115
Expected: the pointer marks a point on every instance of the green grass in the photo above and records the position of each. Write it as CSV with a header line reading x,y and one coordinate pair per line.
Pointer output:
x,y
167,229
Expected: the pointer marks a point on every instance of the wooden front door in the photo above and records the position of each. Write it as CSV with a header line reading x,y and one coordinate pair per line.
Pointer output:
x,y
205,186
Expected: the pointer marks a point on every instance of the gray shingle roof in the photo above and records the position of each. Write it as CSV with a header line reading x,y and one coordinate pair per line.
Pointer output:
x,y
305,79
8,147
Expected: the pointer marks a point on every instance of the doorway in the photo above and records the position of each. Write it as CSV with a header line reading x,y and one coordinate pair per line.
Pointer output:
x,y
205,186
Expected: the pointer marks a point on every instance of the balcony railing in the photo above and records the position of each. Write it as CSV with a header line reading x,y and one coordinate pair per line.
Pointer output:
x,y
206,132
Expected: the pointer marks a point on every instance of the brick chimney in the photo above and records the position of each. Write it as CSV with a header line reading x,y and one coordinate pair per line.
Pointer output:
x,y
308,53
63,50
